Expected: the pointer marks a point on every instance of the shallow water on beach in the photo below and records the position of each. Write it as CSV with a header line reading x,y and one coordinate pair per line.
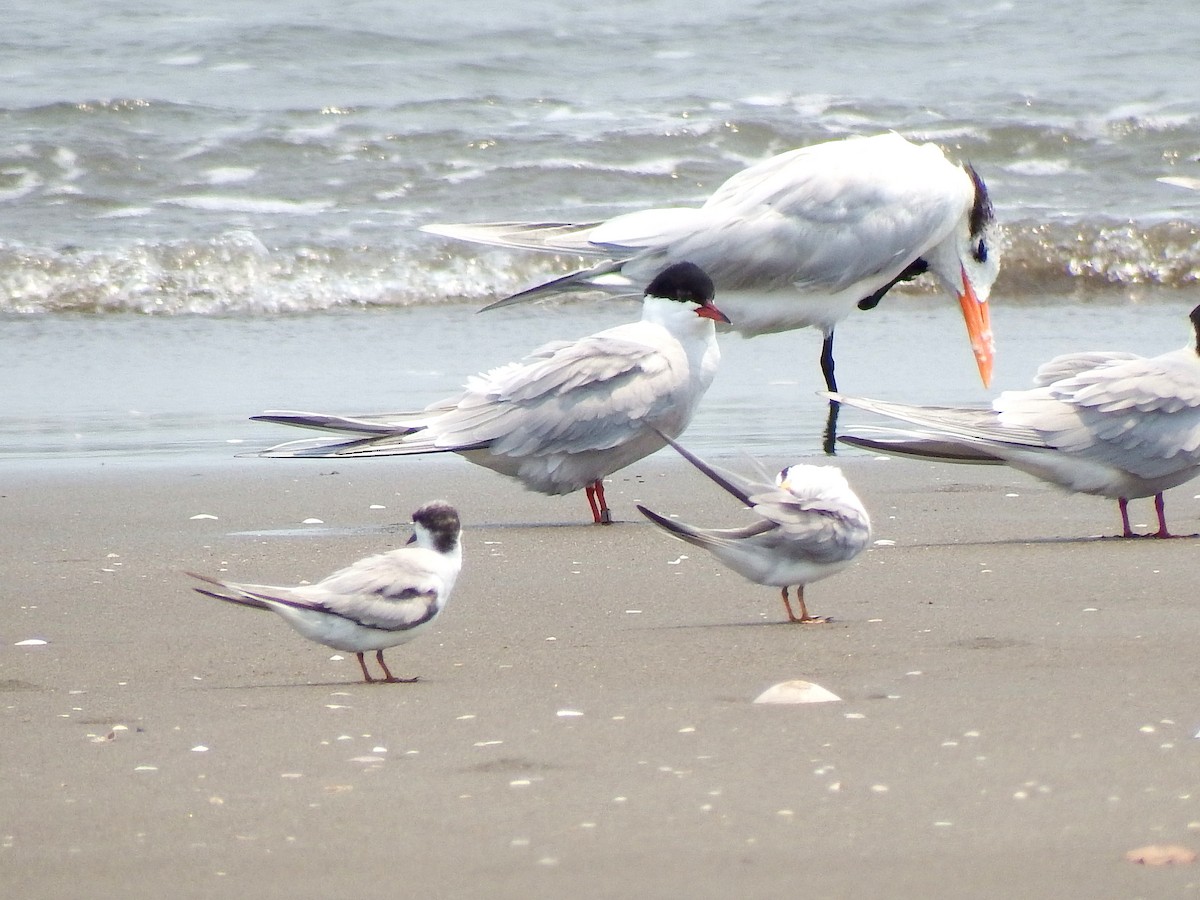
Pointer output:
x,y
175,388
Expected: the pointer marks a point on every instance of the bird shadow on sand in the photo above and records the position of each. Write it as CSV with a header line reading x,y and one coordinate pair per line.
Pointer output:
x,y
324,685
326,531
1141,539
831,624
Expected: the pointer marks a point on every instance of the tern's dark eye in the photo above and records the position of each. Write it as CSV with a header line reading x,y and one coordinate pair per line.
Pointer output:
x,y
981,252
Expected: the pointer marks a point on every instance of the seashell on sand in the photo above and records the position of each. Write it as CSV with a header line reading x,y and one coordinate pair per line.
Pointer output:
x,y
796,692
1162,855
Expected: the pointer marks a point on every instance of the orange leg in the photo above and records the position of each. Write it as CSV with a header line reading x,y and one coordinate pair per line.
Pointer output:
x,y
804,618
388,672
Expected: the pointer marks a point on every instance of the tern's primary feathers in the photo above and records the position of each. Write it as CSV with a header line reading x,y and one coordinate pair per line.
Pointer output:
x,y
377,602
809,525
797,240
1111,424
568,414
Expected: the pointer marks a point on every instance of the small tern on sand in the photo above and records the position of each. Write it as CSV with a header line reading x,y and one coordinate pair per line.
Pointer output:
x,y
1111,424
809,525
567,415
377,602
797,240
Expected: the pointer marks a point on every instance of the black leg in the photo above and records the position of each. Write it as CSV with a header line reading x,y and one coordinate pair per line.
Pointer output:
x,y
829,439
827,362
829,443
914,269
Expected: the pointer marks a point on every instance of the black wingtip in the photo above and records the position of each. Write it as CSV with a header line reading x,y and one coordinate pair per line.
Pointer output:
x,y
658,519
706,469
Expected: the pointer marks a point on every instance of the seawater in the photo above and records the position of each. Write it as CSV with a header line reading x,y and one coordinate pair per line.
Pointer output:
x,y
205,212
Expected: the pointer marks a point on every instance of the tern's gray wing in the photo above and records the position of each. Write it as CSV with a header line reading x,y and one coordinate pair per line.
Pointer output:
x,y
384,423
970,422
553,237
708,537
917,444
603,276
822,527
1141,415
392,591
813,538
822,217
1071,364
591,394
228,593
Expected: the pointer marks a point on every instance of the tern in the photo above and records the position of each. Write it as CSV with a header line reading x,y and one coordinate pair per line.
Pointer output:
x,y
798,240
808,525
378,602
567,415
1111,424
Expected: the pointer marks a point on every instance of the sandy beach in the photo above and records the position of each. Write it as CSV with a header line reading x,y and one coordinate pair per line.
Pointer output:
x,y
1019,703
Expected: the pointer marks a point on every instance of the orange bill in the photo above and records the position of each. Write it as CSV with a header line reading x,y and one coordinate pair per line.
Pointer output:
x,y
979,328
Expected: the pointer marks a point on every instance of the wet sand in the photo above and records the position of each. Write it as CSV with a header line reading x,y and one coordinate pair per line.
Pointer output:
x,y
1019,698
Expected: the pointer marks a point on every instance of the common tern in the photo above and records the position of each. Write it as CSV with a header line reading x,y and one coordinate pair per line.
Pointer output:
x,y
1112,424
378,602
809,525
567,415
797,240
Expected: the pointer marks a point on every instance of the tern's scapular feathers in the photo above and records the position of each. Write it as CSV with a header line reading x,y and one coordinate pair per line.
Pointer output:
x,y
1106,423
570,413
378,602
797,240
809,525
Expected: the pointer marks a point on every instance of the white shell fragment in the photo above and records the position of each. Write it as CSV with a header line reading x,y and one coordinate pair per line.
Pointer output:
x,y
203,516
796,692
31,642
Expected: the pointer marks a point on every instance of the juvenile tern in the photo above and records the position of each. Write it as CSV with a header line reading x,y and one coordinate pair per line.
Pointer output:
x,y
377,602
809,525
797,240
1111,424
570,413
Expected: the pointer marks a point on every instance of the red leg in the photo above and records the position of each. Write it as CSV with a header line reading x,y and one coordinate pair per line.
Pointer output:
x,y
366,675
1123,504
600,512
1160,508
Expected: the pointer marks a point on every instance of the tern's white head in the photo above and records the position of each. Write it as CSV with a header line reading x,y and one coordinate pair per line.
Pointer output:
x,y
436,527
823,486
967,263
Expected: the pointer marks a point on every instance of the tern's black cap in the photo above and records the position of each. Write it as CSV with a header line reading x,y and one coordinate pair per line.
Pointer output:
x,y
682,281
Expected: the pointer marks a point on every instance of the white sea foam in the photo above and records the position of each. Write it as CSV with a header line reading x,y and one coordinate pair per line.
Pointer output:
x,y
256,205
